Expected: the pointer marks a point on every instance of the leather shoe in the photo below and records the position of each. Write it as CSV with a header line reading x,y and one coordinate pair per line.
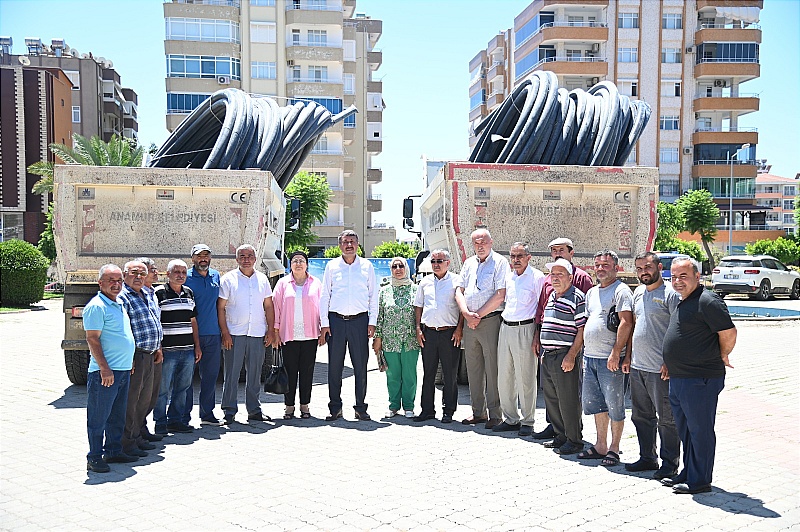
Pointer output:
x,y
135,451
146,446
525,430
663,472
152,437
555,443
492,423
684,489
547,434
424,416
228,420
258,416
472,420
447,418
504,427
362,416
642,465
180,428
334,417
569,448
670,482
97,465
120,458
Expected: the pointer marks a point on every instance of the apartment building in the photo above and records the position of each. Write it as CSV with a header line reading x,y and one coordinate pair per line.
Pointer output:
x,y
320,50
778,194
688,59
49,93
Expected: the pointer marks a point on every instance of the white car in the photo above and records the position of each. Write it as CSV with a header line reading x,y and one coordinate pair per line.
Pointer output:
x,y
759,276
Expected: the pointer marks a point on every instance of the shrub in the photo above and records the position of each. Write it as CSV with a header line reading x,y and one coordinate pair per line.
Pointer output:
x,y
783,249
23,273
334,251
387,250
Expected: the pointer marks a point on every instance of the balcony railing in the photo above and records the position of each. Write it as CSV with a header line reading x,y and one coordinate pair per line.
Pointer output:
x,y
327,152
739,95
302,6
740,227
316,80
591,24
726,60
731,26
725,161
230,3
315,44
374,197
570,59
331,223
702,129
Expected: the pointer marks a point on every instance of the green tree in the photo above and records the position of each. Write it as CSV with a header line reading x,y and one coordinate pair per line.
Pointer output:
x,y
292,249
701,214
334,251
687,247
783,249
670,222
47,243
314,194
387,250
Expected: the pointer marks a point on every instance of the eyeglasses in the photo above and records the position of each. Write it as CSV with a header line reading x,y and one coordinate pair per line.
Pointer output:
x,y
513,256
137,274
298,261
438,261
398,266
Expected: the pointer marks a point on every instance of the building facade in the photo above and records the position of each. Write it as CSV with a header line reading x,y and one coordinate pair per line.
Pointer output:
x,y
320,50
779,194
688,59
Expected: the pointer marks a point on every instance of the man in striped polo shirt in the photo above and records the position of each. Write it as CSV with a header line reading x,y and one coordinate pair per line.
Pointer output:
x,y
181,346
561,338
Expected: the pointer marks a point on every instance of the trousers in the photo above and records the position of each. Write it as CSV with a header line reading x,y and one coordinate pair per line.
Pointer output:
x,y
516,373
247,351
299,358
480,350
401,378
140,394
651,413
347,335
439,348
562,396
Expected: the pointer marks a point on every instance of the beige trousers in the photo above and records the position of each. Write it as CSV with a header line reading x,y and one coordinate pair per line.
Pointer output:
x,y
516,373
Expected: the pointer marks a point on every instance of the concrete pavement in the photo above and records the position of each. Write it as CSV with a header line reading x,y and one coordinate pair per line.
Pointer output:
x,y
383,475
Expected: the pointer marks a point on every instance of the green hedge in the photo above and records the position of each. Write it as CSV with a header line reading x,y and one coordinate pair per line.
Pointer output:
x,y
23,273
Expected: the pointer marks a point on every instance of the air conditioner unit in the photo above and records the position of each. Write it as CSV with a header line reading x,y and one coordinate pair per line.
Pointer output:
x,y
596,47
224,80
720,83
690,49
290,62
687,151
595,81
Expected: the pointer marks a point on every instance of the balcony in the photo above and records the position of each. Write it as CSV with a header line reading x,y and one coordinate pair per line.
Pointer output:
x,y
375,58
349,134
314,52
343,197
729,3
349,166
310,88
374,86
722,169
728,33
495,99
593,32
742,103
375,146
374,175
747,135
742,70
374,203
374,116
304,13
324,159
571,66
329,228
497,70
477,112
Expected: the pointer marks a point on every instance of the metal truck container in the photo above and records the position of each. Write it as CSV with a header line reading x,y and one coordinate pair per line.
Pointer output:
x,y
596,207
115,214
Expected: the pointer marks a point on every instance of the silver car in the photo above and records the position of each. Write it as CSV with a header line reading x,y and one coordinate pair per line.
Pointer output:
x,y
759,276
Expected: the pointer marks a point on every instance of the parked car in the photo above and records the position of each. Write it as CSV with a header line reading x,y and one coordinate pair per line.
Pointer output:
x,y
666,258
759,276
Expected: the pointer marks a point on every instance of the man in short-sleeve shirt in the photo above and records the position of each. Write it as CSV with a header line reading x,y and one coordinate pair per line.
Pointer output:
x,y
698,341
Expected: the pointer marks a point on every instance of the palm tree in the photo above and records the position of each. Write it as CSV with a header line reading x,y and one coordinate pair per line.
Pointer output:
x,y
118,151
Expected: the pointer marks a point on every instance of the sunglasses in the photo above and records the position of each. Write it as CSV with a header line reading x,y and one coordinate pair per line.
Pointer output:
x,y
398,266
438,261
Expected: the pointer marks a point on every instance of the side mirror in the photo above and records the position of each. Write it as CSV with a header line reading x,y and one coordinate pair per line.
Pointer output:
x,y
408,208
294,215
408,223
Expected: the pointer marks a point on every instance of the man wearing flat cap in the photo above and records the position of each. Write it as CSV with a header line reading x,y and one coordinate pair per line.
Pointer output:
x,y
204,282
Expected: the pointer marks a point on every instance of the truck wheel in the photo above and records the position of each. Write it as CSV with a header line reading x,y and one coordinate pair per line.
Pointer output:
x,y
462,370
77,364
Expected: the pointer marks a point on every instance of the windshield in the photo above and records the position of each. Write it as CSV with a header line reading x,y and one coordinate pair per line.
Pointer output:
x,y
738,263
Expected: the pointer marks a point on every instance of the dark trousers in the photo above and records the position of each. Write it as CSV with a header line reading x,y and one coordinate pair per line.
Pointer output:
x,y
694,406
352,336
439,348
208,369
105,413
299,358
562,396
153,396
139,395
651,413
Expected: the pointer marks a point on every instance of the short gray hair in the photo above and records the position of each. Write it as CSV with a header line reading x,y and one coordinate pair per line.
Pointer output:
x,y
694,263
105,268
608,253
131,263
243,247
147,262
441,251
479,231
347,232
175,262
523,245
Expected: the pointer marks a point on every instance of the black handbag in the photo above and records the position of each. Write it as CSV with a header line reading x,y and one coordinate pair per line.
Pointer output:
x,y
277,380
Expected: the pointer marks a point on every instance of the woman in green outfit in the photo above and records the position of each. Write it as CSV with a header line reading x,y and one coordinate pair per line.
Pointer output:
x,y
396,339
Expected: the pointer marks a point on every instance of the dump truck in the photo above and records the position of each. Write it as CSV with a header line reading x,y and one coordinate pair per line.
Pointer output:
x,y
597,207
115,214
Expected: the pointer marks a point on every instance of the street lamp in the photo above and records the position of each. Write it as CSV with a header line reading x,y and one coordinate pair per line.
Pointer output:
x,y
730,198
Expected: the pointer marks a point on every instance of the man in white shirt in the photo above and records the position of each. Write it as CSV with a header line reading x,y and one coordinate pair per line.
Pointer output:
x,y
348,311
246,318
439,330
516,357
480,296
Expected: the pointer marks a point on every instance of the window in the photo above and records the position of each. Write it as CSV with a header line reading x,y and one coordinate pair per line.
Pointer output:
x,y
349,50
669,187
703,123
628,55
317,38
788,218
668,155
263,70
789,190
676,87
788,204
669,123
671,55
670,88
672,21
574,55
477,99
262,3
74,78
76,114
321,146
730,52
201,29
628,20
178,103
349,83
574,21
294,73
202,66
262,32
631,161
628,87
318,74
532,27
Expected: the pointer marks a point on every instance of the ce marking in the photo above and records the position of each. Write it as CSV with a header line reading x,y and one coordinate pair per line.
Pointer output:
x,y
622,197
239,197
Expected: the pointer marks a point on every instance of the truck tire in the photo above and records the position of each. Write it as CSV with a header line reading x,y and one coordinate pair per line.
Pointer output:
x,y
462,370
77,364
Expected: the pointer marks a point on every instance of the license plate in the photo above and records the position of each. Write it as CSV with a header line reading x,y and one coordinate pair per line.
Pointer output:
x,y
731,276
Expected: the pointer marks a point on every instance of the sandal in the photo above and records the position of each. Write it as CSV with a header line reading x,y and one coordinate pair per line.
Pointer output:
x,y
611,459
591,454
305,415
289,414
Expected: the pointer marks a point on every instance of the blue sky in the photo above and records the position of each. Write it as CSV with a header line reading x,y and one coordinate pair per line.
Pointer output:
x,y
426,48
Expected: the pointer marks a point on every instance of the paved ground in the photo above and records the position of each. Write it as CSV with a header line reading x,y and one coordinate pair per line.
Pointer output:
x,y
307,474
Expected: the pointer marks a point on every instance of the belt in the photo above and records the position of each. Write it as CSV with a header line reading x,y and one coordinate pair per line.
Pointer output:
x,y
517,323
445,328
554,351
348,317
145,351
493,314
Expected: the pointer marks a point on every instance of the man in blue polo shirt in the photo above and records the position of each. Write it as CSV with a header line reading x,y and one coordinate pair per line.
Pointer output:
x,y
111,344
204,283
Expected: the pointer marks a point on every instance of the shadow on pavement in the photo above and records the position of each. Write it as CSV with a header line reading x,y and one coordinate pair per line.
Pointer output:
x,y
735,503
